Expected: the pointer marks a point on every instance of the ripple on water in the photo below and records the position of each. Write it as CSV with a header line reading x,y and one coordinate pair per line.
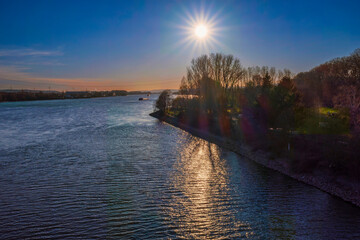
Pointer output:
x,y
102,168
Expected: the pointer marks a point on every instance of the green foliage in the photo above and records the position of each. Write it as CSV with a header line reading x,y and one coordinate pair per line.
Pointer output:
x,y
164,101
179,104
315,122
210,93
266,81
286,109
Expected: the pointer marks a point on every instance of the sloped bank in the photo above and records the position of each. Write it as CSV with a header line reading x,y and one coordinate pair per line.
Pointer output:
x,y
345,190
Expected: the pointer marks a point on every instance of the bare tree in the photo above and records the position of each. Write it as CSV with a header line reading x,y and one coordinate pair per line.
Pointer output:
x,y
223,69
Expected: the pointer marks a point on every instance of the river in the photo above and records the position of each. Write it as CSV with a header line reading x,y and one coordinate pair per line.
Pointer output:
x,y
104,169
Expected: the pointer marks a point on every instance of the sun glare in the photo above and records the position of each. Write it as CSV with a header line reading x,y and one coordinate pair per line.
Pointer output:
x,y
201,31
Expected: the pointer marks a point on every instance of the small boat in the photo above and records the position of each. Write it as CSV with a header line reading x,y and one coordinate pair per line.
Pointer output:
x,y
142,99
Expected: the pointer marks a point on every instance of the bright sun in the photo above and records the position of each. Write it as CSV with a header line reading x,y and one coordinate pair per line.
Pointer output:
x,y
201,31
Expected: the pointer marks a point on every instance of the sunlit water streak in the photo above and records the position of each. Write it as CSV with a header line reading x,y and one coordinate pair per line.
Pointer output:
x,y
102,168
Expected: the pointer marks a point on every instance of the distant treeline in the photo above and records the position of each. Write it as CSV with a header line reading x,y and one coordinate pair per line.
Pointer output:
x,y
312,117
29,95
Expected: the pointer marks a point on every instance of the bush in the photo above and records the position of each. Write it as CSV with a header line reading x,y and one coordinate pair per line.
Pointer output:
x,y
164,101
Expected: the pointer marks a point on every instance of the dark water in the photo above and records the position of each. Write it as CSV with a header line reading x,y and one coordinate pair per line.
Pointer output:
x,y
104,169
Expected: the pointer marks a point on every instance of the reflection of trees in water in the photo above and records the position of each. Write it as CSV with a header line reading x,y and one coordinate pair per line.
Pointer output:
x,y
200,206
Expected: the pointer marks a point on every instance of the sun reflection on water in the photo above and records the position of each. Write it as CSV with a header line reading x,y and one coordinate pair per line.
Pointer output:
x,y
201,207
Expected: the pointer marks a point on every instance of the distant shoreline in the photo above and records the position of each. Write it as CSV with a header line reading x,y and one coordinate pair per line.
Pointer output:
x,y
344,190
32,95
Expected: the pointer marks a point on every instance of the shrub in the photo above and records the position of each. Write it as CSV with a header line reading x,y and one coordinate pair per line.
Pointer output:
x,y
164,101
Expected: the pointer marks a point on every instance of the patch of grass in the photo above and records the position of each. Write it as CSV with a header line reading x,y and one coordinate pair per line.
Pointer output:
x,y
172,113
322,122
327,111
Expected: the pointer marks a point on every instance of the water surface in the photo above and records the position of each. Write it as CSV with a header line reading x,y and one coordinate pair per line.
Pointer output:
x,y
102,168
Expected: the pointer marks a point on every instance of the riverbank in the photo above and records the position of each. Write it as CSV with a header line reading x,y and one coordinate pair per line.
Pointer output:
x,y
342,188
35,95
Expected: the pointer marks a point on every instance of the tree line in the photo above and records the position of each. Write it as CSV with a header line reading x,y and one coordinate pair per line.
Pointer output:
x,y
334,84
27,95
222,86
273,109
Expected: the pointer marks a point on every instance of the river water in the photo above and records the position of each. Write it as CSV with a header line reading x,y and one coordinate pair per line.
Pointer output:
x,y
104,169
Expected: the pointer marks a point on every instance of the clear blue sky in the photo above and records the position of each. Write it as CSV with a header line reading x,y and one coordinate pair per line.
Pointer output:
x,y
137,45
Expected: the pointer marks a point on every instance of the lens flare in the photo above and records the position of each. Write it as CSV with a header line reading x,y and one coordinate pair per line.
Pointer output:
x,y
201,32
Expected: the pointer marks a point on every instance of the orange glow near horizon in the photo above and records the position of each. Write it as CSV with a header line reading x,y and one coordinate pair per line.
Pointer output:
x,y
28,81
79,85
100,85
